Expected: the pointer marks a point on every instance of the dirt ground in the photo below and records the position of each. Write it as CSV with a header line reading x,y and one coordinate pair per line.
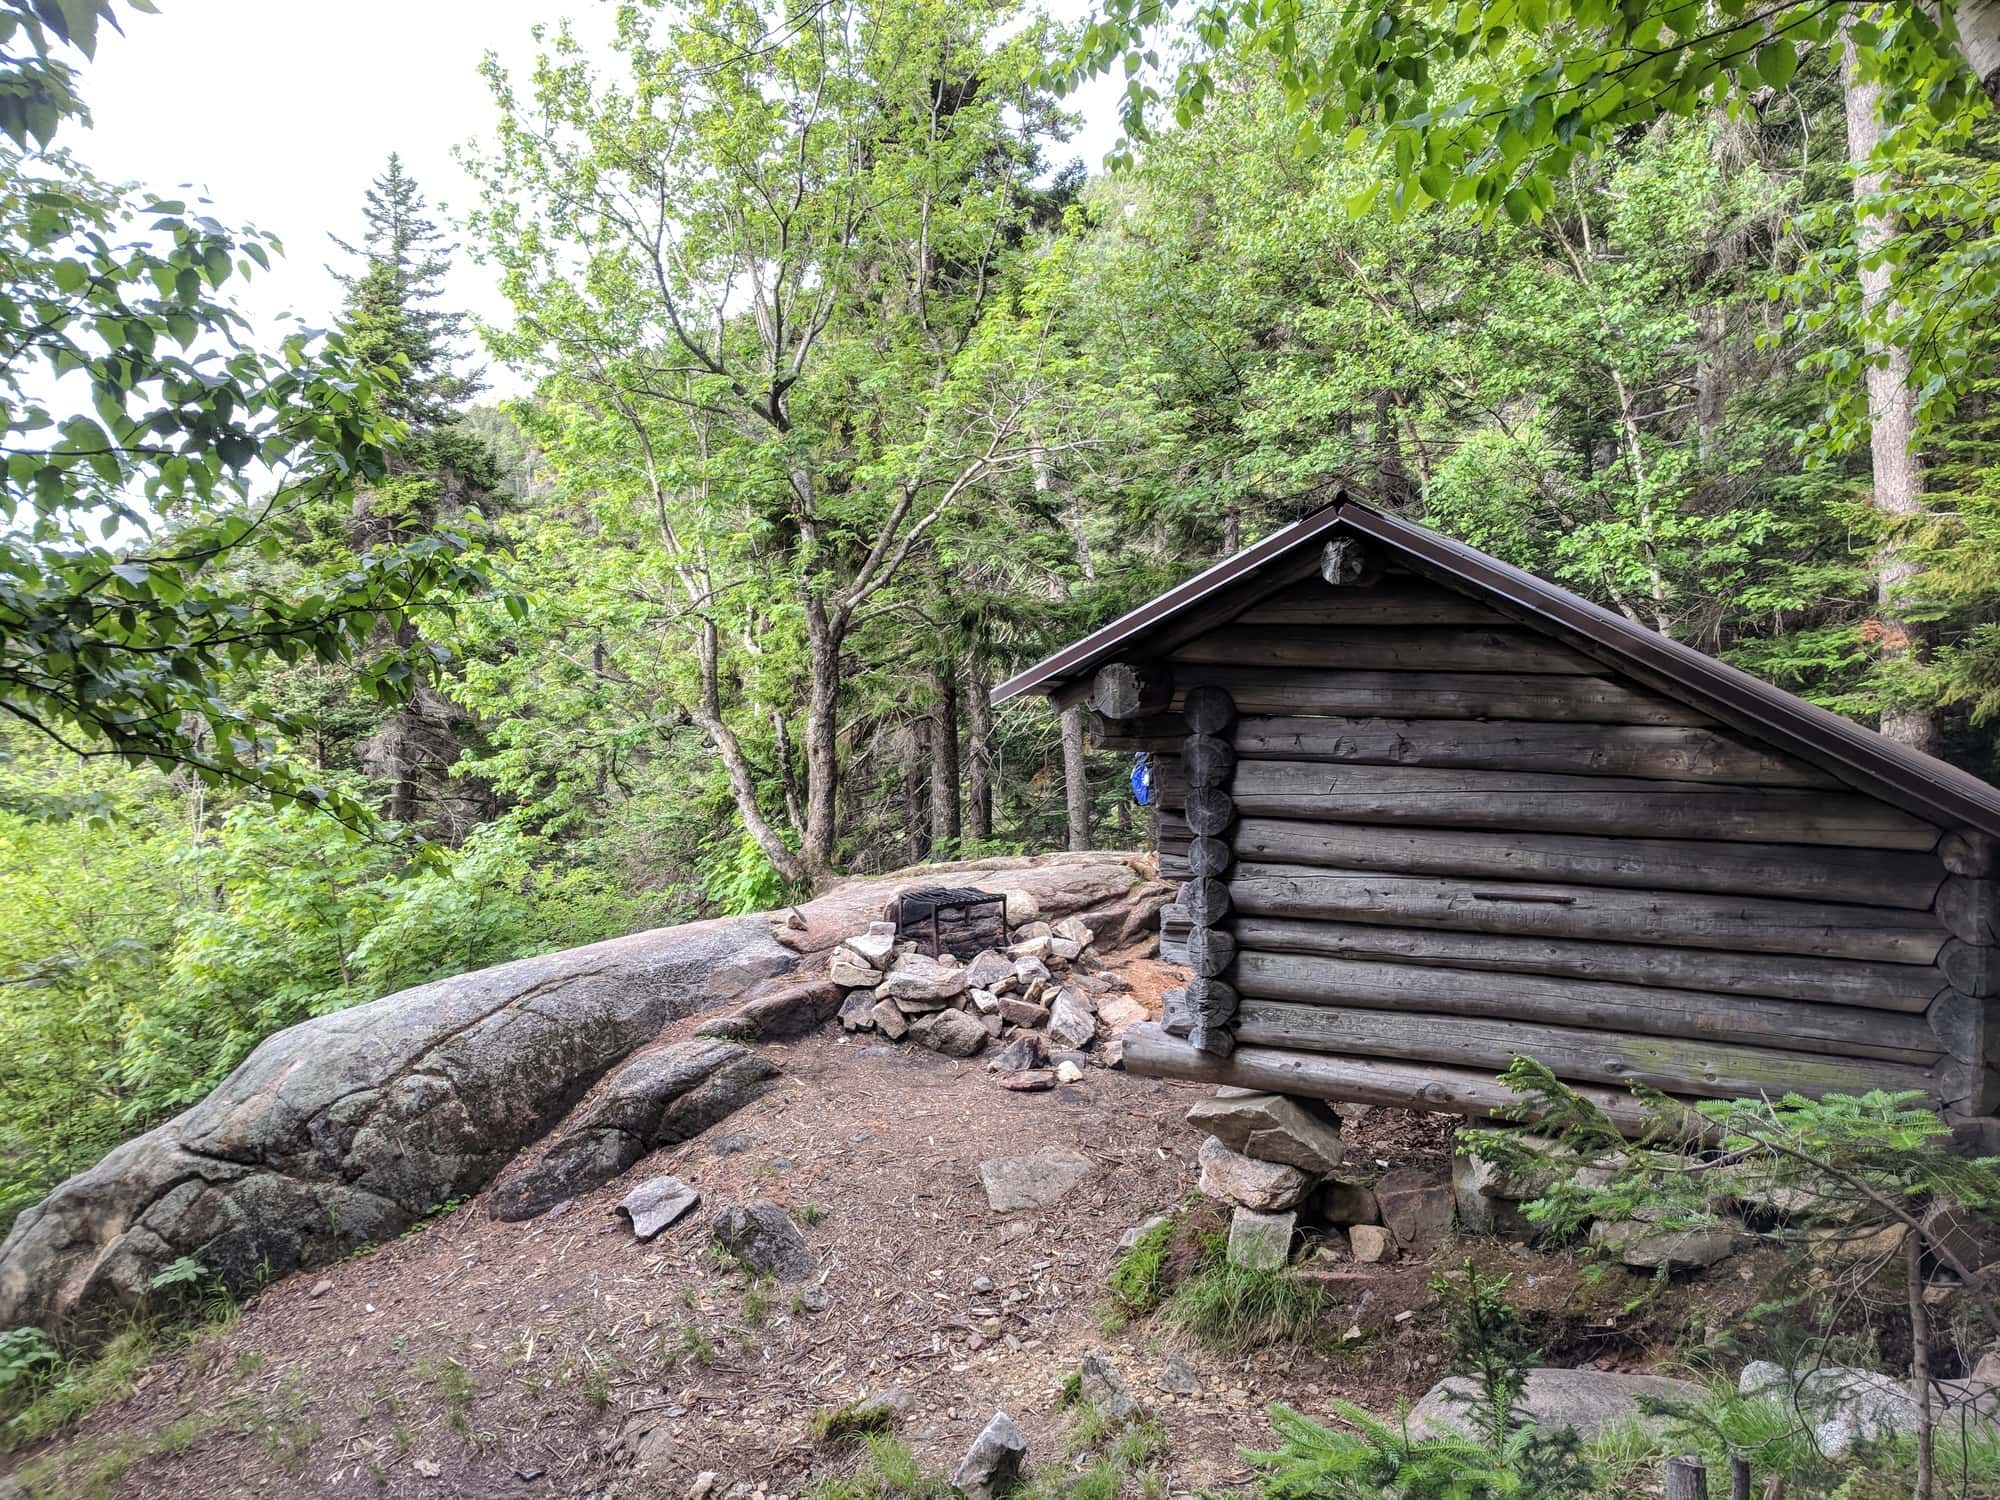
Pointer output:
x,y
476,1358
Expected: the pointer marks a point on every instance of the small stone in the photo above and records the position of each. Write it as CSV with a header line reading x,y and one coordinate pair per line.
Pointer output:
x,y
1261,1242
656,1203
1023,1052
646,1442
1068,1072
1370,1244
1071,1023
981,1285
1416,1205
1028,970
951,1032
1022,908
1064,949
704,1485
1037,992
427,1468
1104,1389
876,947
895,1405
320,1288
1033,1181
922,979
993,1463
1074,930
762,1236
1139,1231
988,969
857,1011
1028,1080
984,1001
1030,930
1119,1011
1177,1379
1266,1186
1037,949
850,972
889,1020
1271,1127
994,1026
1022,1012
814,1300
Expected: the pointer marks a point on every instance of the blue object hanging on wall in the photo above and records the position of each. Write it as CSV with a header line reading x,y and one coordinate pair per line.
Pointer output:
x,y
1142,779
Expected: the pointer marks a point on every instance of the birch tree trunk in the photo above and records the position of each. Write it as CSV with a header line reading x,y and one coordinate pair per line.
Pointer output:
x,y
1892,409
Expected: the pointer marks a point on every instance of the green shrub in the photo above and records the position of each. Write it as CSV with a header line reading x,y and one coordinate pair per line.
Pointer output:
x,y
1139,1279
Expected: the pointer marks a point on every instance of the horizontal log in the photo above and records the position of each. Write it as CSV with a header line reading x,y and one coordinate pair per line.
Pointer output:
x,y
1663,752
1161,734
1389,648
1909,988
1751,1020
1715,1070
1400,600
1742,924
1152,1053
1535,801
1439,695
1881,877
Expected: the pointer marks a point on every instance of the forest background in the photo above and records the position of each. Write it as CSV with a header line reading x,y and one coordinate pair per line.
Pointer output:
x,y
852,391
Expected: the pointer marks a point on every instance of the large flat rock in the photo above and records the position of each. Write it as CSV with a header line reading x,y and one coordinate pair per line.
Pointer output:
x,y
1594,1402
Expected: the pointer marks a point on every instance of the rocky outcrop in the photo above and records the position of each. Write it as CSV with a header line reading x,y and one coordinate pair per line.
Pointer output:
x,y
346,1129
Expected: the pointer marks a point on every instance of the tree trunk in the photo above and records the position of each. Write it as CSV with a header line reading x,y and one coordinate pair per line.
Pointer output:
x,y
978,747
822,743
946,824
916,757
1076,776
1979,38
742,784
1392,479
1892,414
1920,1368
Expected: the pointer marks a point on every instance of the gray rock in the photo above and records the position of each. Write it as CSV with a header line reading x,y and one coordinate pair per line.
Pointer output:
x,y
1023,1012
1100,1384
876,947
1262,1242
988,969
1594,1402
1035,1181
1036,949
1415,1204
923,980
764,1239
660,1098
1140,1230
348,1128
1266,1186
1028,1080
993,1464
857,1011
1271,1127
656,1203
1024,1050
1480,1211
777,1011
1074,930
851,971
890,1020
984,1002
951,1032
1846,1405
1178,1379
1028,970
1370,1244
1648,1245
894,1406
645,1443
1071,1022
1022,908
1068,1072
1064,949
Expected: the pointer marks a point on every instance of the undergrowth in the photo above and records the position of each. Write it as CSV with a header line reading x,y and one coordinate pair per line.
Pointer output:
x,y
1232,1309
1139,1279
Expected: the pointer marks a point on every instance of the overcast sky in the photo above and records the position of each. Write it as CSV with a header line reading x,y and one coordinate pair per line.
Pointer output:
x,y
283,111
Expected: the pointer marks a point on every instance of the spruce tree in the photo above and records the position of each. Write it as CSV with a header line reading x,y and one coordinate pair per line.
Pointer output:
x,y
389,313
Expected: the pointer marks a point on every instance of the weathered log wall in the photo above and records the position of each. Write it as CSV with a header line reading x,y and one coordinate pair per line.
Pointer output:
x,y
1434,838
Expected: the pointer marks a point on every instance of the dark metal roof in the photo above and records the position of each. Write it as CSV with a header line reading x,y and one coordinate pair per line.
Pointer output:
x,y
1903,777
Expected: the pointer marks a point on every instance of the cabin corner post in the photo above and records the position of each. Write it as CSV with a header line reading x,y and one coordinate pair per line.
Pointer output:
x,y
1205,1011
1966,1017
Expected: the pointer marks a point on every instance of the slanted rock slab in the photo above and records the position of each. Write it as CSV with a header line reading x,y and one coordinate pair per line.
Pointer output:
x,y
988,969
993,1464
1034,1181
1266,1186
1072,1023
1594,1402
1271,1127
762,1236
656,1203
928,981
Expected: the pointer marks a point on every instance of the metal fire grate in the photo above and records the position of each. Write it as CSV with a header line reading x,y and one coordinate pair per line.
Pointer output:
x,y
960,920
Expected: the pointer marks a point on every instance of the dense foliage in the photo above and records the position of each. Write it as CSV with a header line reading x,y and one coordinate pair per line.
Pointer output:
x,y
851,395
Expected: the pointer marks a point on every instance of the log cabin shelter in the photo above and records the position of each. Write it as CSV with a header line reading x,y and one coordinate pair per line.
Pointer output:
x,y
1430,812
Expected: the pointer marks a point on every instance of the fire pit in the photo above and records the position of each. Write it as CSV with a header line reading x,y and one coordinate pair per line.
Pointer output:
x,y
959,920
